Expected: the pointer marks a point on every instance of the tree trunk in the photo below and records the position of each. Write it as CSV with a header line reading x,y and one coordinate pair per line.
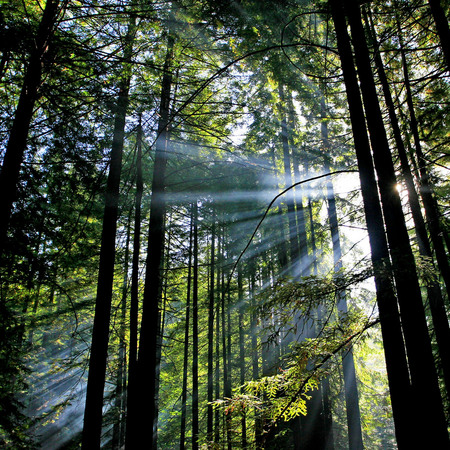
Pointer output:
x,y
396,363
442,28
426,188
289,201
435,298
134,294
217,342
120,400
186,343
210,395
242,354
415,330
100,333
348,365
17,142
143,390
195,333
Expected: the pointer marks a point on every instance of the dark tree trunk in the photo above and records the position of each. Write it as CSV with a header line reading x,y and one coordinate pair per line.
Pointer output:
x,y
100,333
281,247
396,363
195,333
436,301
226,340
17,142
292,238
209,430
415,330
426,188
217,342
120,400
143,390
242,354
442,28
186,344
134,294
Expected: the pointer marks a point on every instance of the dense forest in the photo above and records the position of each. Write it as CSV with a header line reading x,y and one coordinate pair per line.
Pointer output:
x,y
224,224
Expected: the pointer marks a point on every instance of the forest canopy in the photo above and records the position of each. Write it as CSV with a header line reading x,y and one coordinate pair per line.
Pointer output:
x,y
224,224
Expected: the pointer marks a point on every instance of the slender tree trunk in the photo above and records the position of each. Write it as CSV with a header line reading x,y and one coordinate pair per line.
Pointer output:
x,y
255,357
442,28
226,341
348,365
134,294
417,340
186,343
426,188
279,232
396,363
161,323
209,430
435,298
100,334
217,355
120,400
195,429
144,386
298,198
293,238
242,354
17,142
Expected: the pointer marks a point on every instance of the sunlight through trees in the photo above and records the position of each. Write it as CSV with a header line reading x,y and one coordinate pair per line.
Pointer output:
x,y
224,224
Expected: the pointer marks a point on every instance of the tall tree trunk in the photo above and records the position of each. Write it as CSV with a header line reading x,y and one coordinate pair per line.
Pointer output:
x,y
292,238
186,343
442,28
226,341
161,323
348,365
217,342
279,232
396,362
18,136
210,394
242,353
120,400
195,333
100,333
259,439
435,298
426,188
144,386
414,324
298,193
134,294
